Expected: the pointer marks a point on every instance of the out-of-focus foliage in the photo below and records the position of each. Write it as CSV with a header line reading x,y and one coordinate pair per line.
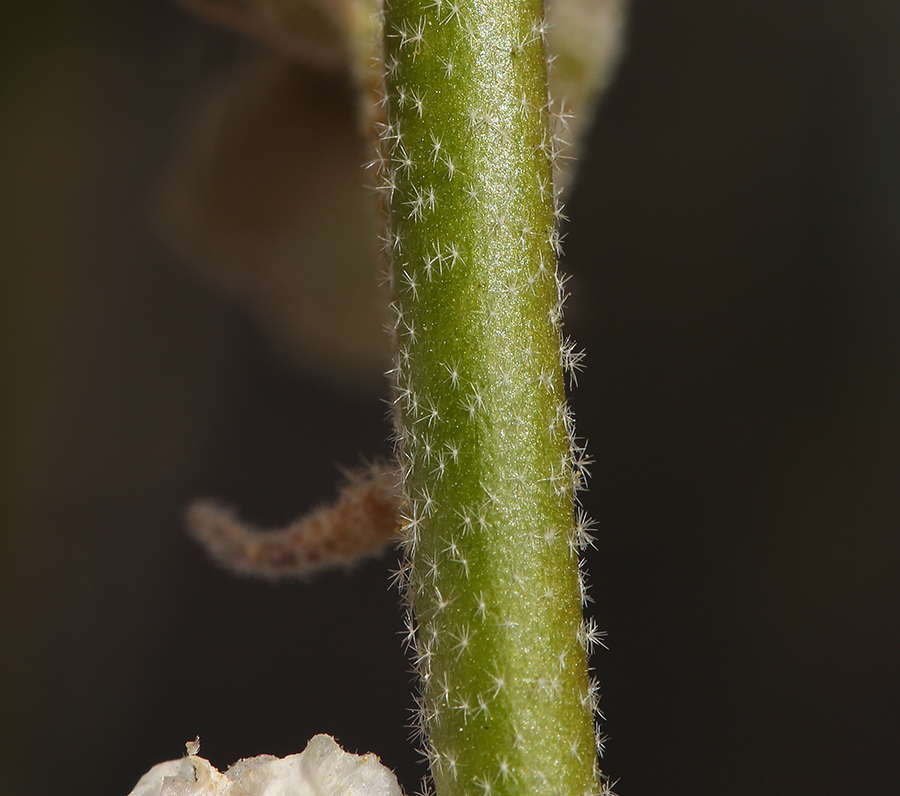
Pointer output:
x,y
268,200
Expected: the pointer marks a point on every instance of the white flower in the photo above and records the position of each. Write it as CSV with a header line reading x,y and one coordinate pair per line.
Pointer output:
x,y
322,769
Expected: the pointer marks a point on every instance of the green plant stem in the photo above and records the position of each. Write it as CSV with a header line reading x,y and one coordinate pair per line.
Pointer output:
x,y
484,434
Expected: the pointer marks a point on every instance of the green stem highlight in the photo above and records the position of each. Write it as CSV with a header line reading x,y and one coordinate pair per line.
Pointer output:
x,y
484,433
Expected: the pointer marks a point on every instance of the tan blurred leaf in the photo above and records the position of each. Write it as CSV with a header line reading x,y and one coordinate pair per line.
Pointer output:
x,y
267,200
312,30
267,197
585,41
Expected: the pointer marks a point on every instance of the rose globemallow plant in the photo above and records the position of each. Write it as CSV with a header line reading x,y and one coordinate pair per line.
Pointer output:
x,y
488,467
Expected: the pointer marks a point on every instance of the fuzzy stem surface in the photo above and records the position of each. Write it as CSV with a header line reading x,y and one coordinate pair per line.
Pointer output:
x,y
484,434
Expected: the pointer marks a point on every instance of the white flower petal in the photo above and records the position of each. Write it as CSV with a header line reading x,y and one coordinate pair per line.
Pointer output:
x,y
322,769
190,776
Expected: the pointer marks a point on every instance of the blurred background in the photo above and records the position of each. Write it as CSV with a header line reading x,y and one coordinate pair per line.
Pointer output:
x,y
735,250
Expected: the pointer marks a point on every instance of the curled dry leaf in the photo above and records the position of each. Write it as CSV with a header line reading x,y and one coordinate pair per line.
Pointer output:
x,y
359,524
267,197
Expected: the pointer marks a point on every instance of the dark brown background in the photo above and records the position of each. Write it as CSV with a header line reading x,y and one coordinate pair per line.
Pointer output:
x,y
735,245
